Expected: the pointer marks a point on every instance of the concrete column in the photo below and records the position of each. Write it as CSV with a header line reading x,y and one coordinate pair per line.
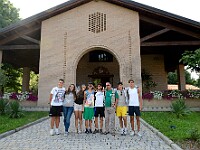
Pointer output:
x,y
181,77
26,79
1,56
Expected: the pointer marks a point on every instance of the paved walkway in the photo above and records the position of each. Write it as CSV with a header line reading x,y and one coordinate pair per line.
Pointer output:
x,y
37,137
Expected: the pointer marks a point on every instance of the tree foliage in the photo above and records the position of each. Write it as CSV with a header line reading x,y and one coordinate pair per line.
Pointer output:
x,y
8,13
192,59
34,82
3,78
173,78
14,78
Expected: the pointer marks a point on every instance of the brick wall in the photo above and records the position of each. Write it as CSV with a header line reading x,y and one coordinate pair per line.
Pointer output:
x,y
65,39
154,64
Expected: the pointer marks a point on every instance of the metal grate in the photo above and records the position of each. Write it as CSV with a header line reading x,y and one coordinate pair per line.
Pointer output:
x,y
97,22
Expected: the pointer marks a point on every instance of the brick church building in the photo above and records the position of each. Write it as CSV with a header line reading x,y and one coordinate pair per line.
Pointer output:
x,y
99,41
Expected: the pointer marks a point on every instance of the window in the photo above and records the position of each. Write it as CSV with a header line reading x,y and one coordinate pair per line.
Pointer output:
x,y
100,56
97,22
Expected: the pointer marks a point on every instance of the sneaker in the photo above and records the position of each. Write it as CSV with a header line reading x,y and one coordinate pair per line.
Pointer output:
x,y
132,133
113,134
57,131
105,133
125,131
51,132
79,131
90,131
96,131
101,131
122,131
86,131
138,133
66,133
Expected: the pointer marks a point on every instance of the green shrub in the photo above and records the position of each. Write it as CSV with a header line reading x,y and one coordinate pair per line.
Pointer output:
x,y
194,134
15,111
179,108
3,106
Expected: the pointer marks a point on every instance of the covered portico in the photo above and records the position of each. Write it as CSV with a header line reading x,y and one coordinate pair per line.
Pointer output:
x,y
163,39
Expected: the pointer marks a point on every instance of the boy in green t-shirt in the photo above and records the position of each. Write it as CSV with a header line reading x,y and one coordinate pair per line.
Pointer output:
x,y
110,102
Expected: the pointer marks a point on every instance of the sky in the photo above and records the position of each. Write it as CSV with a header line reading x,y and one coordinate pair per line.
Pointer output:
x,y
185,8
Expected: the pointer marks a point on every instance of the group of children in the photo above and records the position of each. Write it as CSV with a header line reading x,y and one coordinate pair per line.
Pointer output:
x,y
99,104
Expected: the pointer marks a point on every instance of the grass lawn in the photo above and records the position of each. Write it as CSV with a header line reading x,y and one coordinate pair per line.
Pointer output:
x,y
7,123
164,120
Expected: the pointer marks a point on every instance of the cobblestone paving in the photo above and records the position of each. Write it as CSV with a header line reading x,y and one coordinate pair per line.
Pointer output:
x,y
37,137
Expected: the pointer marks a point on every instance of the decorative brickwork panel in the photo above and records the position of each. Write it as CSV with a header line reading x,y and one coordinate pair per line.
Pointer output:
x,y
97,22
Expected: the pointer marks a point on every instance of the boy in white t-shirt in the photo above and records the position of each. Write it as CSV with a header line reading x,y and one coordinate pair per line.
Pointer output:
x,y
99,108
135,106
56,106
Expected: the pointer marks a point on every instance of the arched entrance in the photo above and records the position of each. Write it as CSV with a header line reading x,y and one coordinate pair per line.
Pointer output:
x,y
98,66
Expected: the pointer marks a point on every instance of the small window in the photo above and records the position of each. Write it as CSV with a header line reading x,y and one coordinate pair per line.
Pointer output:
x,y
100,56
97,22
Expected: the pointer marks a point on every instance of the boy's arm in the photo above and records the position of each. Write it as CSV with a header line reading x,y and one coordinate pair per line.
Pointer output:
x,y
126,95
50,98
116,98
116,103
140,99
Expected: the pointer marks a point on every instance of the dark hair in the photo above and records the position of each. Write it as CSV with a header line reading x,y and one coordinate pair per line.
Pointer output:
x,y
81,90
119,83
90,83
109,83
73,91
100,84
130,80
61,80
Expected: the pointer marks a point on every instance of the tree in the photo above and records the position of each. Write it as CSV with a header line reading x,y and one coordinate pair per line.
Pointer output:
x,y
173,78
198,82
34,82
189,79
8,13
3,78
192,59
14,78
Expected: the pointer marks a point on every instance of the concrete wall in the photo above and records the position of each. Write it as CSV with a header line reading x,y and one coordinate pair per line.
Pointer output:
x,y
154,64
65,38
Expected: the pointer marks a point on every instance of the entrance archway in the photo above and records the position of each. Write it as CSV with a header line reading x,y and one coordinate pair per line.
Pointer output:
x,y
98,66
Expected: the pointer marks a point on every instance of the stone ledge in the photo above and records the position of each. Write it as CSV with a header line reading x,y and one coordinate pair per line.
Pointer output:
x,y
162,136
